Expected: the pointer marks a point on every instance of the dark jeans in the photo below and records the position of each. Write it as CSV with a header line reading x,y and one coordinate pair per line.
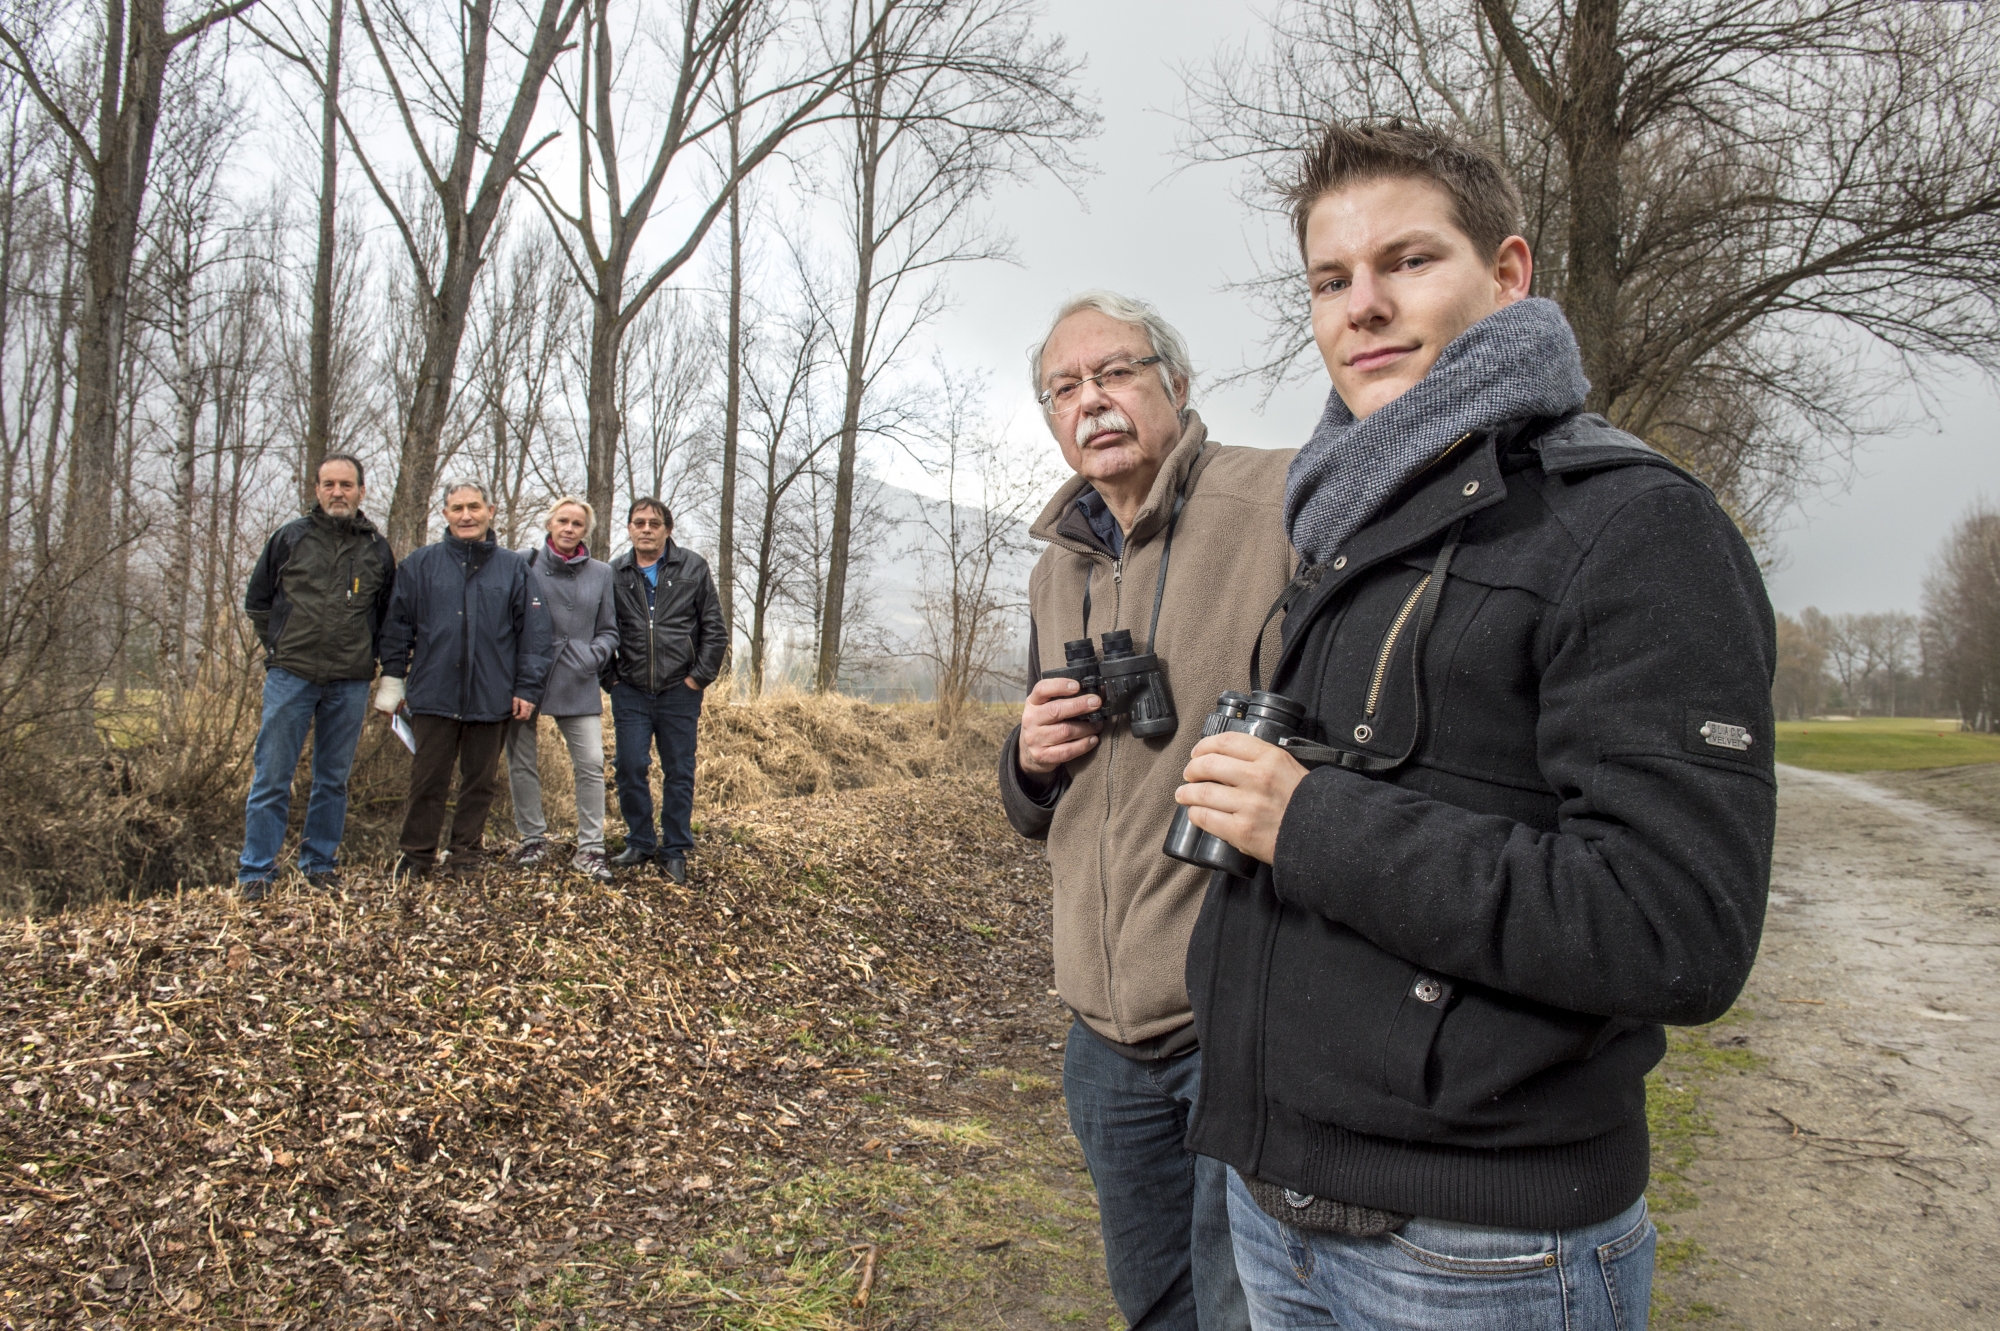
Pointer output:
x,y
641,720
293,706
1164,1211
442,743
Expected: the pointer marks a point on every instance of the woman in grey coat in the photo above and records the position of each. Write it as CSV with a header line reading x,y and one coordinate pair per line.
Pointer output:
x,y
583,621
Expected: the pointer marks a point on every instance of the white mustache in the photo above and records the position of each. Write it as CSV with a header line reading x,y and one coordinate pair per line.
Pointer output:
x,y
1109,419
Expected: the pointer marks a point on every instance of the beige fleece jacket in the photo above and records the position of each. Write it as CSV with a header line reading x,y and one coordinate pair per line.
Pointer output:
x,y
1123,910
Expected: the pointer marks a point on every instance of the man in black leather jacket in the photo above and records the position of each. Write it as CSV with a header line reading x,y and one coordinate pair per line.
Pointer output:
x,y
1530,817
671,640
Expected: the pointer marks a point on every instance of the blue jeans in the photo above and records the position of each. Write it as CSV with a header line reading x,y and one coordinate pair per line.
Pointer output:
x,y
1434,1273
292,706
1163,1211
641,720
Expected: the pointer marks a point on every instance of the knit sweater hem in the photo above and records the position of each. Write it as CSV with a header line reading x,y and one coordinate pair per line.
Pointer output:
x,y
1522,1187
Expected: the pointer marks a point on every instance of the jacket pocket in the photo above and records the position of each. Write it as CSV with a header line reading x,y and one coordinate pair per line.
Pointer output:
x,y
1412,1035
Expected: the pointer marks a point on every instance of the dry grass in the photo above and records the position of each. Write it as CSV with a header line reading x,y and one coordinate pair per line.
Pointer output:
x,y
160,806
807,744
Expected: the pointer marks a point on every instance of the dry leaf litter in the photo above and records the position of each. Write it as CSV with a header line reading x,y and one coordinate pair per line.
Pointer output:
x,y
409,1106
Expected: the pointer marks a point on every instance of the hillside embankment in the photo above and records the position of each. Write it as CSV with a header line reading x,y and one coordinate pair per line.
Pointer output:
x,y
156,804
824,1067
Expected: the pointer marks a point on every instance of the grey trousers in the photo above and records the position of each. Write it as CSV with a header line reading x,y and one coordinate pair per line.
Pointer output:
x,y
585,737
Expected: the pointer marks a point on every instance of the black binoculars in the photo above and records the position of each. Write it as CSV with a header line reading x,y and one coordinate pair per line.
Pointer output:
x,y
1271,717
1130,683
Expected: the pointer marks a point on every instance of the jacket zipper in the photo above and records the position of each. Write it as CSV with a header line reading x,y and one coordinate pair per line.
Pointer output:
x,y
465,645
1110,766
1389,643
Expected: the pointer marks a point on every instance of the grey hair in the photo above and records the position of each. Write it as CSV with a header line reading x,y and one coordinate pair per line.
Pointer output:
x,y
452,487
1166,343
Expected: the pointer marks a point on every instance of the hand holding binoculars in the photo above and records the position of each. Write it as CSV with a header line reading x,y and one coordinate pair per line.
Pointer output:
x,y
1131,683
1271,717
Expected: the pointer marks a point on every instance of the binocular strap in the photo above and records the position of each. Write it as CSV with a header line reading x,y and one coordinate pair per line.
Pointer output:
x,y
1310,754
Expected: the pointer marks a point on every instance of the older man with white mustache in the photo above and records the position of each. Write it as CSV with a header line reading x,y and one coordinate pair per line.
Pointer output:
x,y
1164,543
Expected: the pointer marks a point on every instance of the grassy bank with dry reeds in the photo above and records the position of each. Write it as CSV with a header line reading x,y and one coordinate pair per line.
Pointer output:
x,y
158,804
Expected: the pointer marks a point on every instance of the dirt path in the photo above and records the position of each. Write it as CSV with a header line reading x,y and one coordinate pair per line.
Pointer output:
x,y
1850,1182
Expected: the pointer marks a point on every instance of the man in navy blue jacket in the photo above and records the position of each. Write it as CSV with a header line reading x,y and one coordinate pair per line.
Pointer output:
x,y
465,650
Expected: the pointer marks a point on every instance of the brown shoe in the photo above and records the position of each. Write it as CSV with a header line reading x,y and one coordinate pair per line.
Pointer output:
x,y
466,864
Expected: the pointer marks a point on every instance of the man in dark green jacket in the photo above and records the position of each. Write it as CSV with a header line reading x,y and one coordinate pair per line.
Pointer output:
x,y
317,599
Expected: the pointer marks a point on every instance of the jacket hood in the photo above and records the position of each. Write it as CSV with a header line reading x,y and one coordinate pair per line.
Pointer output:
x,y
1183,464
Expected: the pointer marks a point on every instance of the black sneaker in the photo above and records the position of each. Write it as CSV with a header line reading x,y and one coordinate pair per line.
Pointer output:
x,y
408,869
591,865
676,868
530,853
631,857
256,889
326,880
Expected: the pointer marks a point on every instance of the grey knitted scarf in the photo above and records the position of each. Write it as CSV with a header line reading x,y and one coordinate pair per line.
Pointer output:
x,y
1519,361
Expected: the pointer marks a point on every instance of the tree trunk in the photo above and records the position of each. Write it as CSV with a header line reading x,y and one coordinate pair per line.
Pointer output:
x,y
135,56
189,380
319,392
468,222
416,478
1593,145
828,673
606,337
732,415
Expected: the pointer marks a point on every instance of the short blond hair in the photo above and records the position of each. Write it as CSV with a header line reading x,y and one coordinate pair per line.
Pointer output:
x,y
589,514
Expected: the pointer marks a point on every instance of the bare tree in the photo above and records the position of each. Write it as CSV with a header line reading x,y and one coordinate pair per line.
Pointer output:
x,y
1799,685
434,64
785,439
973,551
320,340
1755,212
712,49
666,370
1962,617
192,264
526,322
130,55
948,99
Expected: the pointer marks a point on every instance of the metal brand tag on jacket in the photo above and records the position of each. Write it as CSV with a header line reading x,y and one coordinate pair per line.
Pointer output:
x,y
1725,736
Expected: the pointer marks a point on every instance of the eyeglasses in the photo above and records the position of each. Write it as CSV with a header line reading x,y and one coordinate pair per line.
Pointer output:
x,y
645,524
1116,377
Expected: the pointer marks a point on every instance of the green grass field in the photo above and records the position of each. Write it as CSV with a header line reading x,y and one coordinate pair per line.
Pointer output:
x,y
1882,744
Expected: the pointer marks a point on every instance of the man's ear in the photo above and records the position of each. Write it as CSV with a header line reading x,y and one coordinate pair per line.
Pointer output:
x,y
1513,271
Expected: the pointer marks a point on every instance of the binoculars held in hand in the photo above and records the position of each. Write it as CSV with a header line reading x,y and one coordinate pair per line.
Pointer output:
x,y
1271,717
1131,684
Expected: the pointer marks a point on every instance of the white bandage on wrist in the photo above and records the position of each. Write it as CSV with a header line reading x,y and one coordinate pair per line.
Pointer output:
x,y
388,694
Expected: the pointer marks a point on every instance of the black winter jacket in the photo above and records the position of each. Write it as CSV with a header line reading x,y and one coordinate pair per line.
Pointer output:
x,y
1444,997
677,635
467,631
319,594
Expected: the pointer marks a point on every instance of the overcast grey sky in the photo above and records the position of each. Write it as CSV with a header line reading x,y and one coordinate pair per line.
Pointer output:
x,y
1176,239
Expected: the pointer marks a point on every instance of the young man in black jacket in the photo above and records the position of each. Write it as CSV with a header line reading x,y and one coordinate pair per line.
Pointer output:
x,y
670,643
1529,817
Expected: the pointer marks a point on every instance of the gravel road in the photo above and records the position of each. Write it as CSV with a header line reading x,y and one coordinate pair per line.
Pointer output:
x,y
1851,1181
